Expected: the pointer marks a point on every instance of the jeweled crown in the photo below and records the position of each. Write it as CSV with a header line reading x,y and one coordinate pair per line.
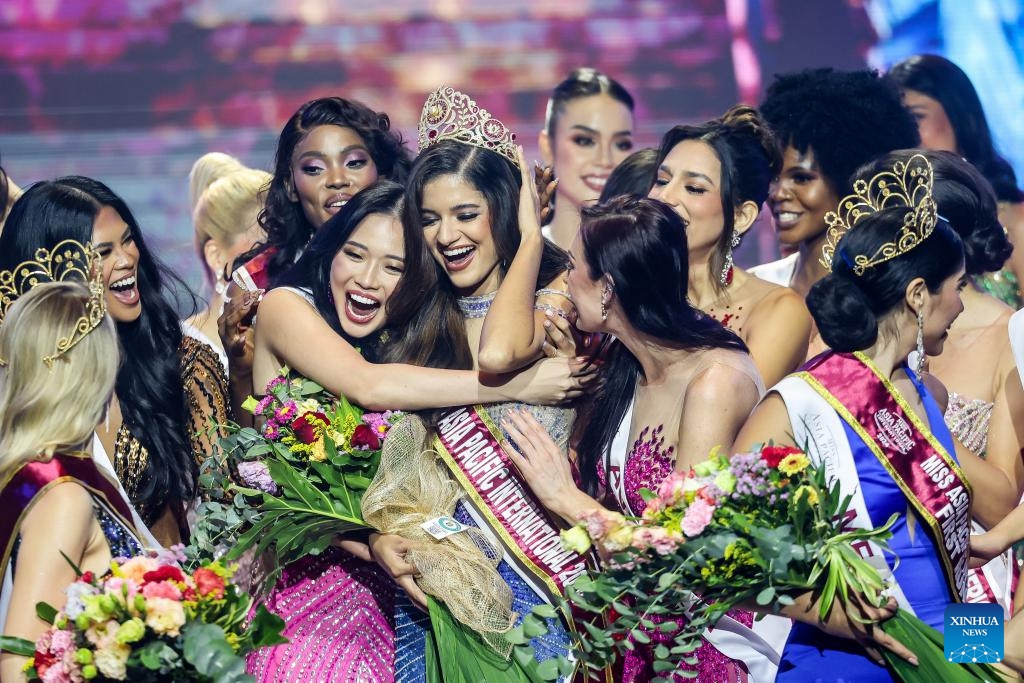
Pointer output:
x,y
451,115
67,261
907,184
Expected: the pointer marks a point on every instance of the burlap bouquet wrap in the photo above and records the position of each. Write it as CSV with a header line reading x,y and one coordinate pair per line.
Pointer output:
x,y
413,486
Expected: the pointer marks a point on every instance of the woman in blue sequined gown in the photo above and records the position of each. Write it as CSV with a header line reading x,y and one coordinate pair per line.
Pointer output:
x,y
462,202
54,499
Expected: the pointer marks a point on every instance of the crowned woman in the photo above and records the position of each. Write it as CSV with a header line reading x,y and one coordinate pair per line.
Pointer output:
x,y
875,423
59,359
490,550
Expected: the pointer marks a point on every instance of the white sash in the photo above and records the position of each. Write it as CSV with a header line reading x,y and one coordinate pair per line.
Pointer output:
x,y
818,429
756,648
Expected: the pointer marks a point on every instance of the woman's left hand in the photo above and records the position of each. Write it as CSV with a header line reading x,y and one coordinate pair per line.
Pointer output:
x,y
541,462
529,199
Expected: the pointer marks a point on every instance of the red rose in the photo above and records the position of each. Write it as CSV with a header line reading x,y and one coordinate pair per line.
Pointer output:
x,y
305,425
163,573
208,583
364,437
773,455
86,577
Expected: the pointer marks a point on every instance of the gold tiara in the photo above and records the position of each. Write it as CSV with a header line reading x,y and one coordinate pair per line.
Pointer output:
x,y
67,261
907,184
451,115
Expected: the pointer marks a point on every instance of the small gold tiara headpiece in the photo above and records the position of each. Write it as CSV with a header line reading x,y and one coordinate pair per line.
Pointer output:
x,y
451,115
67,261
907,184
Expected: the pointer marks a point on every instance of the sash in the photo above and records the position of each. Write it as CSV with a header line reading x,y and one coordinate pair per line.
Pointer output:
x,y
20,490
922,468
468,442
993,581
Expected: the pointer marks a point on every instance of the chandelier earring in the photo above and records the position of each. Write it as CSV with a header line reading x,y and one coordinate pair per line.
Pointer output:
x,y
727,270
606,299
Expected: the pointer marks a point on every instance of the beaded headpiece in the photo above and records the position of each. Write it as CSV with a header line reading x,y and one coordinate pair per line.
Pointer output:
x,y
67,261
907,184
451,115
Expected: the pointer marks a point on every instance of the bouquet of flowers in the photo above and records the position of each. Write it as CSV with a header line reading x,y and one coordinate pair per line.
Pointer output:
x,y
757,527
303,469
149,620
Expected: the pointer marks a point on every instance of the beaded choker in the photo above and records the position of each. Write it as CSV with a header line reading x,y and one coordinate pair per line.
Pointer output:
x,y
476,306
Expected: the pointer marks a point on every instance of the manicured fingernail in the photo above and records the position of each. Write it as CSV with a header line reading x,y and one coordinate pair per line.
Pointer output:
x,y
547,323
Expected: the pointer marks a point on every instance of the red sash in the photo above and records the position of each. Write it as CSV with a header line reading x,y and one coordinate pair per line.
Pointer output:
x,y
923,469
33,478
468,442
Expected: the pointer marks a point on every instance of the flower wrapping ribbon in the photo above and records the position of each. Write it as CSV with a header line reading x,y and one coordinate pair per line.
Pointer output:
x,y
413,486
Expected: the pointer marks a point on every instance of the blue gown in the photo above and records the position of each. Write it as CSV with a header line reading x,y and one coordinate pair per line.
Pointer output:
x,y
812,656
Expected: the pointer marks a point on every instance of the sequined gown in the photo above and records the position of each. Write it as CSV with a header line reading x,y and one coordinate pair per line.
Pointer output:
x,y
647,462
339,618
207,397
410,623
121,539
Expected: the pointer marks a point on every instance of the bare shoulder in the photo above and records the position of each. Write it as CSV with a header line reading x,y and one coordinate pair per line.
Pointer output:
x,y
58,506
775,301
725,376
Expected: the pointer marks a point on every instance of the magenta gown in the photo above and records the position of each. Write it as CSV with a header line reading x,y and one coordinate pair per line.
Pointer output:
x,y
339,616
646,465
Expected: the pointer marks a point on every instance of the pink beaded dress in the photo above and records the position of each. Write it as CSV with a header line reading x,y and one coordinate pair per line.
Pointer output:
x,y
643,462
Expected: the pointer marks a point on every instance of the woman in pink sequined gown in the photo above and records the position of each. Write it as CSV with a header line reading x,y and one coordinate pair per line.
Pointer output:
x,y
677,384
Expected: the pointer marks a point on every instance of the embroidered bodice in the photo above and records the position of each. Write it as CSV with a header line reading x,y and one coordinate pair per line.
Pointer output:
x,y
968,419
206,393
647,459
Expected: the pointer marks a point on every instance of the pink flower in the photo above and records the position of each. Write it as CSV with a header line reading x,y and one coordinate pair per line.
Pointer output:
x,y
264,403
698,516
654,537
671,488
161,589
62,640
286,412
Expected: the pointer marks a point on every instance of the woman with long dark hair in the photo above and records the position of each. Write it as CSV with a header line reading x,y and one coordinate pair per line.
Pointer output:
x,y
328,150
986,400
676,385
716,176
351,314
949,116
862,412
170,387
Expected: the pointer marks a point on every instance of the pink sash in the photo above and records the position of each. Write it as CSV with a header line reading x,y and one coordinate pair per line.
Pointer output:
x,y
926,473
34,478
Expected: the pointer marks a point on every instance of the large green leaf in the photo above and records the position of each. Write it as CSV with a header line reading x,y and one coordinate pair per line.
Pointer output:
x,y
205,648
17,646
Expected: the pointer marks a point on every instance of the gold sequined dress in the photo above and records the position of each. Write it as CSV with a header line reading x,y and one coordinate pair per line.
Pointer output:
x,y
206,392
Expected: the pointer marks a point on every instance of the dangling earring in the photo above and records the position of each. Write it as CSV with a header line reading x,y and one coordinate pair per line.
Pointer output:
x,y
727,270
221,287
606,297
919,365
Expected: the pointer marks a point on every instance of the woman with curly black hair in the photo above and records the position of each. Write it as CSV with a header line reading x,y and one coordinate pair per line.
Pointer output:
x,y
950,117
828,123
330,149
169,387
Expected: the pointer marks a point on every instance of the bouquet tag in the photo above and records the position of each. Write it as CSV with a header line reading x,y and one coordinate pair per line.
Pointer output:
x,y
442,527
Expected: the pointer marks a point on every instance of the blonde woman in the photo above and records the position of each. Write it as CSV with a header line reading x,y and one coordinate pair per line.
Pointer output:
x,y
227,198
58,500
